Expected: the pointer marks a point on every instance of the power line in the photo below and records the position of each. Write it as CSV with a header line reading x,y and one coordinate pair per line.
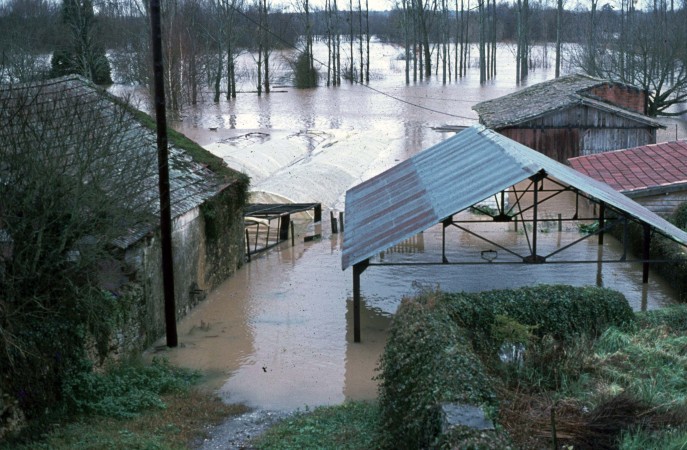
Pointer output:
x,y
288,44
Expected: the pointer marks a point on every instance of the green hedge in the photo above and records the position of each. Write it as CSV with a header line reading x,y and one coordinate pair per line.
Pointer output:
x,y
440,348
563,312
428,360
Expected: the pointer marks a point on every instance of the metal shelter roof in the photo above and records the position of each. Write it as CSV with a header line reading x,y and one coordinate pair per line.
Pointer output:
x,y
452,176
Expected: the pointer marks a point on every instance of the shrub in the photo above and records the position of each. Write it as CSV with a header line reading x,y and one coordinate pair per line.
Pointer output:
x,y
428,360
125,390
563,312
305,75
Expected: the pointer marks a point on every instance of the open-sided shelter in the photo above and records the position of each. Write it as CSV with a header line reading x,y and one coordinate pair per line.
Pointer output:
x,y
571,116
435,185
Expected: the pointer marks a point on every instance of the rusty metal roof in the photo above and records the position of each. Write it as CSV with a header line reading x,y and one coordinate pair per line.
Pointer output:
x,y
544,98
452,176
637,169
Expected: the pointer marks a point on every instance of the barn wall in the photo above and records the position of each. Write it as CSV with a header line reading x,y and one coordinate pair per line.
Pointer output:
x,y
602,140
624,96
580,130
207,246
556,143
662,204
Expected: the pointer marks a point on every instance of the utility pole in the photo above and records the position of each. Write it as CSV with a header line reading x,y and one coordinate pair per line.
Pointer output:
x,y
163,171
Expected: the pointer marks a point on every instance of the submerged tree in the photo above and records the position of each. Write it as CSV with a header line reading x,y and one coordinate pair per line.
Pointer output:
x,y
81,53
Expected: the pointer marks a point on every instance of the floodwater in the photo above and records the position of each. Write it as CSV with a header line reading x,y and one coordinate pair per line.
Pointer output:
x,y
278,334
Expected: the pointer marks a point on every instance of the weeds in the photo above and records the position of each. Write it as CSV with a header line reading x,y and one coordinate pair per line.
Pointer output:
x,y
349,426
133,406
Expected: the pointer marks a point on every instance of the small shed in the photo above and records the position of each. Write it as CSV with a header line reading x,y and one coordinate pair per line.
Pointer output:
x,y
85,136
571,116
654,176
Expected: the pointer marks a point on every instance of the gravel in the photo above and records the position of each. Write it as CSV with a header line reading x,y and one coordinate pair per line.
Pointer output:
x,y
237,431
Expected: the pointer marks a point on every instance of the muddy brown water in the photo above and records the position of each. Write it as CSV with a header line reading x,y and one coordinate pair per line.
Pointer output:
x,y
277,335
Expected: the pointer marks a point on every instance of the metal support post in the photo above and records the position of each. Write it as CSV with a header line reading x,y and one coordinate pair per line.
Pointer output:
x,y
358,269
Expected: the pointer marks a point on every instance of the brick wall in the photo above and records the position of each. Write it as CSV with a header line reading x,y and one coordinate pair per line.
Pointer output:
x,y
623,96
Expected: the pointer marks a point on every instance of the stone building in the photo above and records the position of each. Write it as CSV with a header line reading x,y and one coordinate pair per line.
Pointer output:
x,y
112,147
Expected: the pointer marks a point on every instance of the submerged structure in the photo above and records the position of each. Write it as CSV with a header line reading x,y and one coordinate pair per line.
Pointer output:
x,y
571,116
434,186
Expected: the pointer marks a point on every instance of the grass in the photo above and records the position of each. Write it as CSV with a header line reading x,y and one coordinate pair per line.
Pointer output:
x,y
185,419
351,426
133,406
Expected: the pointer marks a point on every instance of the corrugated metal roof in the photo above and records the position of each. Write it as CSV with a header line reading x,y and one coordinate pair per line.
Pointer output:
x,y
450,177
58,115
638,168
543,98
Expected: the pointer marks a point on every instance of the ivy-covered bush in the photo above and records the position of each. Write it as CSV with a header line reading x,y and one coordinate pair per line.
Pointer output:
x,y
444,347
563,312
428,360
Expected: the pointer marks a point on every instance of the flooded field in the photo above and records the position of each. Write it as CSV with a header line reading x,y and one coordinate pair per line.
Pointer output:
x,y
278,334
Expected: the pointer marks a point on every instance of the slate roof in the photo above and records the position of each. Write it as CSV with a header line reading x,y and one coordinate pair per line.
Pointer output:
x,y
452,176
65,111
636,169
543,98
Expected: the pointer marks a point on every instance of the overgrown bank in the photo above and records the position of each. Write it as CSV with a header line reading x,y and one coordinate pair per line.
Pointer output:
x,y
574,365
131,405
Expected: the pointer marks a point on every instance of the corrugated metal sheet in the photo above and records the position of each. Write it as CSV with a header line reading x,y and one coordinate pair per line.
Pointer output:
x,y
450,177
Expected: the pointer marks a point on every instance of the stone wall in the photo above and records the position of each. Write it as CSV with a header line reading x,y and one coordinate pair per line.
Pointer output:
x,y
207,246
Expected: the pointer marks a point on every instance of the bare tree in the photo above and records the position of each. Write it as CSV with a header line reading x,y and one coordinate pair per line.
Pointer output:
x,y
647,51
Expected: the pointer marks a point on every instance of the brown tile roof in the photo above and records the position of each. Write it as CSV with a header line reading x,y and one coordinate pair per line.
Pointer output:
x,y
638,168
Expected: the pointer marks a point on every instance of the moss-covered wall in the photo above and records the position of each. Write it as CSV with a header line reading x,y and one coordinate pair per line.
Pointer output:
x,y
208,246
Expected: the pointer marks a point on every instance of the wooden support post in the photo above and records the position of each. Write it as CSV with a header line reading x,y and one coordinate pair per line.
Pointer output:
x,y
341,221
602,221
646,254
515,221
335,228
284,222
293,236
358,269
535,211
247,245
318,213
445,224
560,222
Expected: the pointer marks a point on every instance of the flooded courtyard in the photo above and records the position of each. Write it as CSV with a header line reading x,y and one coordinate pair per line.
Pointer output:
x,y
278,334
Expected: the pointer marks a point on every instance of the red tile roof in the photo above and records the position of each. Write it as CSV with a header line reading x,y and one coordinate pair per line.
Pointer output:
x,y
637,168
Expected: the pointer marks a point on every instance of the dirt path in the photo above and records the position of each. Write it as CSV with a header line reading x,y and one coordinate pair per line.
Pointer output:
x,y
236,432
